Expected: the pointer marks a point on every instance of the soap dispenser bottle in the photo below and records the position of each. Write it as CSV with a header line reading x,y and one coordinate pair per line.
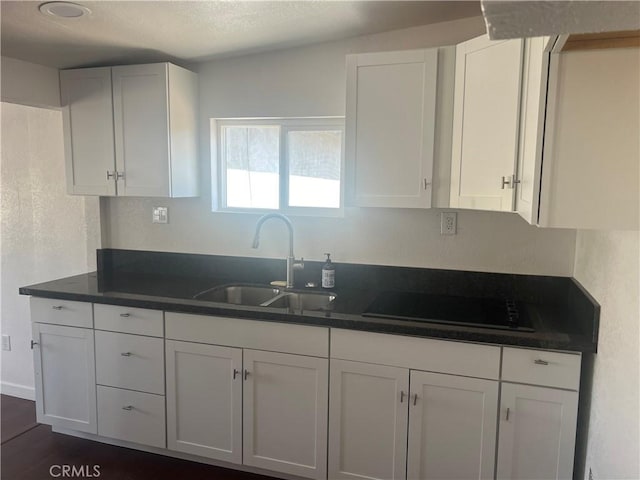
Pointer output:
x,y
328,273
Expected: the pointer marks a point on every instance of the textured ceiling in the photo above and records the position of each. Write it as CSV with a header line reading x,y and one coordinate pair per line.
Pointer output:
x,y
186,32
517,18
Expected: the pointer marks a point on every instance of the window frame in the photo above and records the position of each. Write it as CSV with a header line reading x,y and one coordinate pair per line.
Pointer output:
x,y
286,125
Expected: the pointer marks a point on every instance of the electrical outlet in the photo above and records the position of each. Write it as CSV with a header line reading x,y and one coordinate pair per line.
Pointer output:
x,y
160,215
6,343
448,223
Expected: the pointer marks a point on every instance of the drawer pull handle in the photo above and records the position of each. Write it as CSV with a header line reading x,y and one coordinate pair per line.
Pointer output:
x,y
507,416
402,394
128,407
126,354
57,307
415,398
33,343
539,361
235,373
125,315
246,373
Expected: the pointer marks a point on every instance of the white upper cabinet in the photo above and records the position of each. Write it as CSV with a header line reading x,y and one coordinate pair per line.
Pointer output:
x,y
485,123
88,125
131,130
390,124
592,142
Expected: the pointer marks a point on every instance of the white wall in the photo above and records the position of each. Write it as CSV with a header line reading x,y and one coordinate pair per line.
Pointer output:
x,y
45,234
310,81
607,265
29,84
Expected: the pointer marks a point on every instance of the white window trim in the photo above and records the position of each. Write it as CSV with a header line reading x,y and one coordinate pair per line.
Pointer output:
x,y
218,183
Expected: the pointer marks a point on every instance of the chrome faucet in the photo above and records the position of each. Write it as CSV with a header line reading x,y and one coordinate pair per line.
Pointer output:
x,y
292,263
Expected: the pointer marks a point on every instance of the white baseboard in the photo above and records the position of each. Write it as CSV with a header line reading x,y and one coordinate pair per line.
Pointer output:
x,y
20,391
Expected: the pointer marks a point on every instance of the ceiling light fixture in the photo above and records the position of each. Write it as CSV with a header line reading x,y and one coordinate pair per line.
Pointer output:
x,y
63,9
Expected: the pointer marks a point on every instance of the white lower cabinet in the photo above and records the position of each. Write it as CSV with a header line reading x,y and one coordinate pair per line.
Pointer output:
x,y
368,421
537,433
452,427
132,416
65,377
204,400
451,424
285,413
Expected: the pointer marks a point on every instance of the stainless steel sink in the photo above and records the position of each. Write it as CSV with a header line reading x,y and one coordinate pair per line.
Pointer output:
x,y
269,297
299,302
252,295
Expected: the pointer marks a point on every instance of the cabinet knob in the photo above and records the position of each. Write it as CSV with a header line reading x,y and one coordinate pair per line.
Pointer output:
x,y
110,175
128,407
415,398
33,343
539,361
506,417
126,354
57,307
402,394
246,373
119,175
125,315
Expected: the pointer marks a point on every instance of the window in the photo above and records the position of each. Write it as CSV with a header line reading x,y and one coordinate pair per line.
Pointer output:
x,y
292,165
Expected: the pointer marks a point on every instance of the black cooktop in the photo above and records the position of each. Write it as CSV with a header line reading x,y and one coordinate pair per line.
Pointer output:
x,y
477,312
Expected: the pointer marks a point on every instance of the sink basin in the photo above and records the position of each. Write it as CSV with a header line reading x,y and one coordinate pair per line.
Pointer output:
x,y
269,297
303,301
253,295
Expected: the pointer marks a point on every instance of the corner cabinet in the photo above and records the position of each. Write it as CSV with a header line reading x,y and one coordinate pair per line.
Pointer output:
x,y
130,130
390,125
548,134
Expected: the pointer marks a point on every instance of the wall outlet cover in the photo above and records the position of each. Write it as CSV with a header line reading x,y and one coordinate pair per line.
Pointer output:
x,y
160,215
448,223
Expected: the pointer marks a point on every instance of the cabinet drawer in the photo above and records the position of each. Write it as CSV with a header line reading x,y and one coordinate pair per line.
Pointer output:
x,y
139,321
61,312
234,332
457,358
130,361
131,416
539,367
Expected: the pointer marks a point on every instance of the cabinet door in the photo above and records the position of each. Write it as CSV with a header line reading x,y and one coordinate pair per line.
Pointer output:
x,y
485,123
285,413
391,102
88,125
140,110
65,377
368,410
452,427
534,97
537,433
204,400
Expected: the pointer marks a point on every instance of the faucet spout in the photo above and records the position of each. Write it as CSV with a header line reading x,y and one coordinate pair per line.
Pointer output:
x,y
291,259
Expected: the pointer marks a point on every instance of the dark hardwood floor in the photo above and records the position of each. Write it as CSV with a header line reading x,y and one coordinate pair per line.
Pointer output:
x,y
29,451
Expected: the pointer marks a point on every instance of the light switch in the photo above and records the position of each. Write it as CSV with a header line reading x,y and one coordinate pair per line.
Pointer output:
x,y
160,215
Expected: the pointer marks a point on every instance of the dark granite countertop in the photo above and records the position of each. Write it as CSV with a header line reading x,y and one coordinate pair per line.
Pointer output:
x,y
563,315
